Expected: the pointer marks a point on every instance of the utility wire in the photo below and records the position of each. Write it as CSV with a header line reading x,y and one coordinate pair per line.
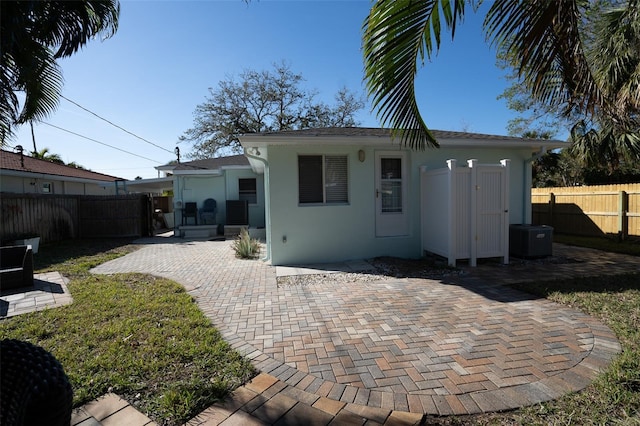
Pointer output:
x,y
115,125
101,143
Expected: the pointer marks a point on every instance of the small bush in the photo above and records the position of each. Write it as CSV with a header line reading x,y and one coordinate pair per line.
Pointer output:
x,y
246,247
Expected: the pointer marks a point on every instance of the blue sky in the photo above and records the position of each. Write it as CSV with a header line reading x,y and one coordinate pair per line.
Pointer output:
x,y
150,76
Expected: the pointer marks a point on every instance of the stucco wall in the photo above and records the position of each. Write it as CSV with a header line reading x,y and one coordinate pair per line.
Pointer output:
x,y
15,184
197,188
326,233
27,185
256,211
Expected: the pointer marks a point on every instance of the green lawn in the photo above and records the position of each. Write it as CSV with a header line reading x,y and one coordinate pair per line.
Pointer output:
x,y
631,247
145,339
141,337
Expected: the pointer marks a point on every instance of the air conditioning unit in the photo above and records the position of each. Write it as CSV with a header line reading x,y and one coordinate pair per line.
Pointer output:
x,y
237,212
530,240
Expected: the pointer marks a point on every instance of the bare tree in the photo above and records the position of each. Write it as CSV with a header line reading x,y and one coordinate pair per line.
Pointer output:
x,y
263,101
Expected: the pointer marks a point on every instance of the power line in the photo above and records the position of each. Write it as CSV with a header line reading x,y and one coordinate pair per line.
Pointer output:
x,y
101,143
115,125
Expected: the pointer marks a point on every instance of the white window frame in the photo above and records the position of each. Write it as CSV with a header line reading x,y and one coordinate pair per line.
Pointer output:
x,y
324,201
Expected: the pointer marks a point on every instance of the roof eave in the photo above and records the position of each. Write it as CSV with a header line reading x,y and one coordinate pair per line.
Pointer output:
x,y
206,172
37,175
261,141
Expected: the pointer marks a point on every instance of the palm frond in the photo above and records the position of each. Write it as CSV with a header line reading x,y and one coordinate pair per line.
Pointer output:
x,y
544,38
69,25
616,58
605,144
398,33
34,34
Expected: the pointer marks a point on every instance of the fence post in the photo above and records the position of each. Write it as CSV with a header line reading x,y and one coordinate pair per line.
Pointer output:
x,y
552,204
623,220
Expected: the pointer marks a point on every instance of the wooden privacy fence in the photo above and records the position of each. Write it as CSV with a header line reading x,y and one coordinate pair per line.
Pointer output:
x,y
589,210
60,217
118,216
52,217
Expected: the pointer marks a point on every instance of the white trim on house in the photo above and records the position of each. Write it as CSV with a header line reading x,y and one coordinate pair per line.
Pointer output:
x,y
207,172
153,185
259,141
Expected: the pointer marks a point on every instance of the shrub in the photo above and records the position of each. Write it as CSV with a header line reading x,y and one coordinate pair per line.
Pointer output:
x,y
246,247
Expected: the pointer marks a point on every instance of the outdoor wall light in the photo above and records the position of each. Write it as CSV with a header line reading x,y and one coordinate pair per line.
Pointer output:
x,y
361,155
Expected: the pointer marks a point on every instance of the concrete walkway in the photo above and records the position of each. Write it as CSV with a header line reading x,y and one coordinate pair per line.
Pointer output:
x,y
387,351
49,291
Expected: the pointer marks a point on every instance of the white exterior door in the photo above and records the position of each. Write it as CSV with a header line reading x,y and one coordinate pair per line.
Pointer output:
x,y
392,217
492,211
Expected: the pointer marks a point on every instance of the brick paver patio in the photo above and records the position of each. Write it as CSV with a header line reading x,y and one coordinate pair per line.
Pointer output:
x,y
49,291
394,349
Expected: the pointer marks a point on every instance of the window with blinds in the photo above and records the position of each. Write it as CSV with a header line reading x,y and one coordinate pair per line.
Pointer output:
x,y
322,179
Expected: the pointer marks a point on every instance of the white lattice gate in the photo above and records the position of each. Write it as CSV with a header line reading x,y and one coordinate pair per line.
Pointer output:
x,y
465,211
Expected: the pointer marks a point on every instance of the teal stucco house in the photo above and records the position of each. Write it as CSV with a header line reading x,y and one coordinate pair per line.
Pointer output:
x,y
337,194
220,179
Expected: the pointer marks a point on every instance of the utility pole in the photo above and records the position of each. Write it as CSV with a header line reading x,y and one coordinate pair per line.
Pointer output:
x,y
33,137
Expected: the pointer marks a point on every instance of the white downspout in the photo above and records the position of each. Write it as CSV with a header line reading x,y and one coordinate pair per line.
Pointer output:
x,y
528,182
267,203
177,192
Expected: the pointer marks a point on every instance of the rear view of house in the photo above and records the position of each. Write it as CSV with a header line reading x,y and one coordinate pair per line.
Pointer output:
x,y
336,194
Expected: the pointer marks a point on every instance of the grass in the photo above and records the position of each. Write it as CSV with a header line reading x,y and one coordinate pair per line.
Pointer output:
x,y
631,247
144,338
139,336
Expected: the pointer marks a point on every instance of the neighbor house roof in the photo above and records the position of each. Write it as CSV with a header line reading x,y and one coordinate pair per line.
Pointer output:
x,y
214,163
21,163
378,135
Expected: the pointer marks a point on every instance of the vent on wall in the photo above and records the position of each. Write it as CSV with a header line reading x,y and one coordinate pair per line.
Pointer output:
x,y
237,212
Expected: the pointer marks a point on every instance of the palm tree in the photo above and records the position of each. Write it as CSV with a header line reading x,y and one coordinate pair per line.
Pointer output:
x,y
553,54
34,34
46,155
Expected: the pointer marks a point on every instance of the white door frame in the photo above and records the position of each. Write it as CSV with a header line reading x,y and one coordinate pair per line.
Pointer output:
x,y
391,224
501,249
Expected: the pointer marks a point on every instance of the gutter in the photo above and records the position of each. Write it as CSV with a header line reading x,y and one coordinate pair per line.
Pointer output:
x,y
267,200
528,181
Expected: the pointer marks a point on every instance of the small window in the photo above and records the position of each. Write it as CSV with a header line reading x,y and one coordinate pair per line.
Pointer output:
x,y
322,179
248,190
46,188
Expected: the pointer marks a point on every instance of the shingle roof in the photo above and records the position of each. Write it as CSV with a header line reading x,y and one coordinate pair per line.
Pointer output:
x,y
11,161
385,132
214,163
